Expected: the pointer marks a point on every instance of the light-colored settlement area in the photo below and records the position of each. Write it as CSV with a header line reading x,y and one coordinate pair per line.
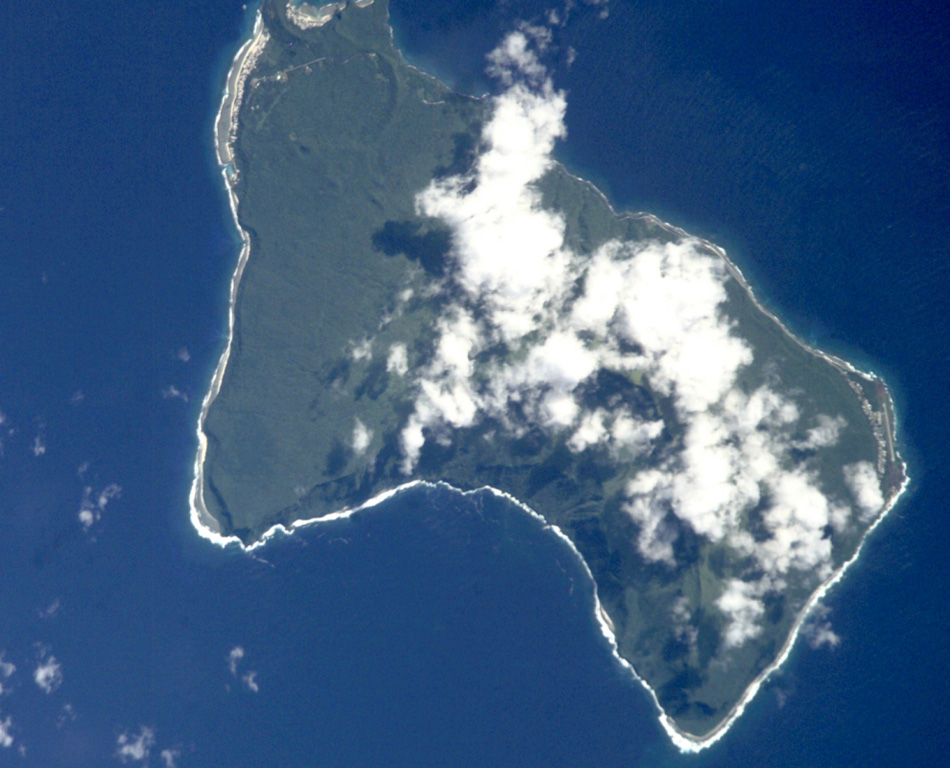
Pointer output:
x,y
424,294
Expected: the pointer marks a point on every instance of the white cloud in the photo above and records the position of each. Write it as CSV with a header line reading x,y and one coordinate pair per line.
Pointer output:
x,y
6,732
684,627
171,392
170,757
7,668
48,674
135,748
183,354
234,658
817,629
508,250
865,486
66,715
50,610
398,360
250,681
362,437
39,445
249,678
362,351
515,56
743,609
528,326
94,503
825,433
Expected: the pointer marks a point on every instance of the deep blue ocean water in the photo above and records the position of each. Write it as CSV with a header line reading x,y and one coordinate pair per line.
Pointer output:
x,y
810,139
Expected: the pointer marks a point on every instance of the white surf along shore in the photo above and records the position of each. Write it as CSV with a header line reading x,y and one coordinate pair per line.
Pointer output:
x,y
226,124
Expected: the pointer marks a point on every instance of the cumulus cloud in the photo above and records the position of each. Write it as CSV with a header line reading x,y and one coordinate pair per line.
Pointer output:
x,y
250,681
744,608
48,674
249,678
135,748
362,437
51,610
67,715
94,503
6,732
825,433
171,392
362,351
528,327
817,629
865,486
234,658
684,627
7,669
170,757
39,445
398,360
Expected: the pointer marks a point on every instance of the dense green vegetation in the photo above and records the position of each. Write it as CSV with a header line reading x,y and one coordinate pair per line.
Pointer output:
x,y
336,136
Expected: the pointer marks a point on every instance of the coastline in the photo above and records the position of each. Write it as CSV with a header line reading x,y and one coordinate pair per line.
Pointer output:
x,y
208,528
884,433
244,61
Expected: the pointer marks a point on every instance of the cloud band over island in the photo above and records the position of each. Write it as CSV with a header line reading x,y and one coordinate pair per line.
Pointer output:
x,y
533,323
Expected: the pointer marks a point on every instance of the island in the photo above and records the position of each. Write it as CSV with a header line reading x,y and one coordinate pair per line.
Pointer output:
x,y
426,295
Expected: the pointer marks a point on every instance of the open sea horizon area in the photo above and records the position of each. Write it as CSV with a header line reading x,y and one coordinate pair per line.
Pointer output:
x,y
434,627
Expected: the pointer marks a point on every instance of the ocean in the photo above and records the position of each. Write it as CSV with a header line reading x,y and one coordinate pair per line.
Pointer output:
x,y
809,140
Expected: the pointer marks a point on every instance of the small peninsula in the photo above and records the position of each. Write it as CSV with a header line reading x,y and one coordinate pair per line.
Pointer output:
x,y
425,294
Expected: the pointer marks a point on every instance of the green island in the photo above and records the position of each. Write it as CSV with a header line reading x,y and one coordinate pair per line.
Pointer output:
x,y
424,294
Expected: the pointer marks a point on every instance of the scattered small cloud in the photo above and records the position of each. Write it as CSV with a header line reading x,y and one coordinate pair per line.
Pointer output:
x,y
398,360
135,748
6,732
39,445
50,610
170,757
249,678
250,681
362,437
743,607
66,715
183,354
817,629
825,433
234,658
684,626
48,674
7,669
528,322
171,392
94,503
77,397
864,485
362,351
